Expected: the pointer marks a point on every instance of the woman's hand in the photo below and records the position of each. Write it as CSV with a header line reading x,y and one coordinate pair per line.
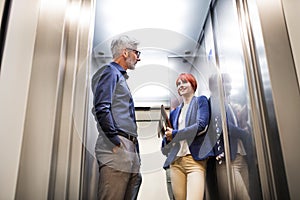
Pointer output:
x,y
168,134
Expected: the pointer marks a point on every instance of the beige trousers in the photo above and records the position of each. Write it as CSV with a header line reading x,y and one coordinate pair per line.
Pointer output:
x,y
240,179
188,178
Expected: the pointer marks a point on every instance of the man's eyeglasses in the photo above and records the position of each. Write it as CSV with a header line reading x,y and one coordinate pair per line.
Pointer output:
x,y
137,53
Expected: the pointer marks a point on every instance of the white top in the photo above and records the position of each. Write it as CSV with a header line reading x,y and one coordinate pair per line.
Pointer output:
x,y
184,148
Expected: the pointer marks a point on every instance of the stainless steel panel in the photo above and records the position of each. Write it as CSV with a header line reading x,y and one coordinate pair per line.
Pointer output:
x,y
284,88
56,48
14,86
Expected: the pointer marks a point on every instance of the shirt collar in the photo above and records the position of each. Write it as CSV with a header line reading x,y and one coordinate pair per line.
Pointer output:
x,y
121,69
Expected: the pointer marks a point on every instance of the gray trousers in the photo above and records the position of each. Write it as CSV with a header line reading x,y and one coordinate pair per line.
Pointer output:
x,y
116,180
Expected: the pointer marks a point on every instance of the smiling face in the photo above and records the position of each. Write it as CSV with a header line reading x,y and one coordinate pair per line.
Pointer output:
x,y
184,88
186,84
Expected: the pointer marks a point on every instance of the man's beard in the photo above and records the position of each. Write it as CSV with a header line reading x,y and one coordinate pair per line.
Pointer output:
x,y
130,63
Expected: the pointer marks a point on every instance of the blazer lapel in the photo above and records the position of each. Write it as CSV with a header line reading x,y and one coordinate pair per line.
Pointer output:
x,y
190,112
177,116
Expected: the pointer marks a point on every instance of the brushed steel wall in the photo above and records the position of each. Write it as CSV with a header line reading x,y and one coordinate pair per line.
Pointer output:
x,y
44,71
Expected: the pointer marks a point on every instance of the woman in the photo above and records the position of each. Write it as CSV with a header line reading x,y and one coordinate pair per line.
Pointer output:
x,y
184,143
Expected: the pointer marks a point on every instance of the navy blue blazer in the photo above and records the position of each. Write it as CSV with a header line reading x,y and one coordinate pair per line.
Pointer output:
x,y
195,132
235,133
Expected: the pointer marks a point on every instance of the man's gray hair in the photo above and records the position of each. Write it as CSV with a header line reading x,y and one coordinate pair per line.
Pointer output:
x,y
122,42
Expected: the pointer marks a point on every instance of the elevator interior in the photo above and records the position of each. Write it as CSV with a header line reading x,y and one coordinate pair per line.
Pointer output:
x,y
52,147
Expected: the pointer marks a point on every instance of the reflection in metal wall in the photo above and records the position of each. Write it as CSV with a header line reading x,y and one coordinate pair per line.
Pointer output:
x,y
243,174
248,173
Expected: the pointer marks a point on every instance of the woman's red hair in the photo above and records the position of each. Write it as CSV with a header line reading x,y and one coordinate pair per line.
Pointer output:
x,y
189,78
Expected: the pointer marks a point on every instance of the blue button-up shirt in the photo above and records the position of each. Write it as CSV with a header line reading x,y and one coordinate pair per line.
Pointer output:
x,y
113,104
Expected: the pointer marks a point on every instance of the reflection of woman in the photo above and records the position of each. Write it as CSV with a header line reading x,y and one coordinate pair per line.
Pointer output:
x,y
239,140
183,143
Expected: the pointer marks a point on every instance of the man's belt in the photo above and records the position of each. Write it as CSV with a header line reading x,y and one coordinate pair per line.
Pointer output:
x,y
129,137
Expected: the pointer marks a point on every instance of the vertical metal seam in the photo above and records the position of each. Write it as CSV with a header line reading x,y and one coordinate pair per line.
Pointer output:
x,y
223,112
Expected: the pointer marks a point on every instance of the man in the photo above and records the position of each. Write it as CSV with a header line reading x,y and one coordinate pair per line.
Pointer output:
x,y
116,148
